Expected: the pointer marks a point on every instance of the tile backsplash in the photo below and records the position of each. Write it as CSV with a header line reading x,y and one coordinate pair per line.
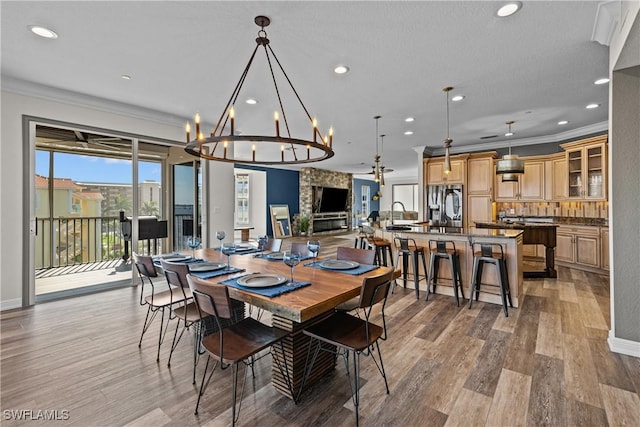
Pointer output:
x,y
555,209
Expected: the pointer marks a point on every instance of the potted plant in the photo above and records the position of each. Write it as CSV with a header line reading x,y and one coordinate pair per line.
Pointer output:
x,y
303,225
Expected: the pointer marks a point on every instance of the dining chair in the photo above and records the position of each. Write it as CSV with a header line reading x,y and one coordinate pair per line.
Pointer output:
x,y
185,311
301,249
158,301
273,244
344,334
236,340
362,256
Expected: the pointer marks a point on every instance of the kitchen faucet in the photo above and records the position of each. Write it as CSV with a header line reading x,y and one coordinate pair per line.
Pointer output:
x,y
392,204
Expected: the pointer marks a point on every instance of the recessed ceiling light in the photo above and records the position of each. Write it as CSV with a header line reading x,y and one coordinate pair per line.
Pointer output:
x,y
409,119
508,134
409,132
251,101
601,81
509,9
125,77
43,32
457,98
341,69
592,106
563,122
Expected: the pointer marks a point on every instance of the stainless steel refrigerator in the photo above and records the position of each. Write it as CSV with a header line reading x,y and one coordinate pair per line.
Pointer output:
x,y
445,205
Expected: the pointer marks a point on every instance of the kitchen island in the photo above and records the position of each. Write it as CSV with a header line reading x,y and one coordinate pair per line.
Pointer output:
x,y
534,233
509,239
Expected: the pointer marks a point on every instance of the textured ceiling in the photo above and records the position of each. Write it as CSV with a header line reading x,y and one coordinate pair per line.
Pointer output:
x,y
536,67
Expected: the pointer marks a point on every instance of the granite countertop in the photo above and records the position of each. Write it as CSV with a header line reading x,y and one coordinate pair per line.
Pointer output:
x,y
561,220
515,225
463,232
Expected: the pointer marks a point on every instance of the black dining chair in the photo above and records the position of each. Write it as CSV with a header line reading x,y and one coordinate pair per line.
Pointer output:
x,y
158,301
235,341
343,334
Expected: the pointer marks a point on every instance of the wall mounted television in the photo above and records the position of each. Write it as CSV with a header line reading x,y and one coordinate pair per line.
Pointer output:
x,y
329,199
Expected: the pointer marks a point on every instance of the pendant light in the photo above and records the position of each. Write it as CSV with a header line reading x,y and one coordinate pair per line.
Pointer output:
x,y
510,166
382,165
448,141
376,159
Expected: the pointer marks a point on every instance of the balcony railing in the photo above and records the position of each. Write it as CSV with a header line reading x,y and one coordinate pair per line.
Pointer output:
x,y
62,242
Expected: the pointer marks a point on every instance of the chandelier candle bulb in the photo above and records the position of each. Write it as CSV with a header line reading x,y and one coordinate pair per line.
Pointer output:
x,y
282,152
232,116
253,151
225,149
276,118
315,130
200,136
197,120
308,151
331,136
187,128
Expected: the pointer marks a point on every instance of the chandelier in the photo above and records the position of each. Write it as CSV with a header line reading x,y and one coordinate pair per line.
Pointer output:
x,y
510,166
226,145
448,141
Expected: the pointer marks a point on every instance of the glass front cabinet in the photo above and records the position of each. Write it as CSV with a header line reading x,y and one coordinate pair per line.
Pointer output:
x,y
586,169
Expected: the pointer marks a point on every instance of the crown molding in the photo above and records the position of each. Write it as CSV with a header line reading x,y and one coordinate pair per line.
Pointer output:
x,y
607,18
544,139
36,90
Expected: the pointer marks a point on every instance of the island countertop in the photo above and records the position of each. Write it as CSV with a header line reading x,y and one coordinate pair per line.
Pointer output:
x,y
515,225
465,239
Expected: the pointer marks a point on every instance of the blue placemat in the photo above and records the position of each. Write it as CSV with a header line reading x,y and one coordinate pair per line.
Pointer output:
x,y
266,256
249,251
272,291
215,273
361,269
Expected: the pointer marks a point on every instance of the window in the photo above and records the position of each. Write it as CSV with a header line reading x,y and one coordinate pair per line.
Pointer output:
x,y
365,197
242,199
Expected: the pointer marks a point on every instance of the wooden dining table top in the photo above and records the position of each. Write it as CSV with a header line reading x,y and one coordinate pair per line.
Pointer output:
x,y
328,288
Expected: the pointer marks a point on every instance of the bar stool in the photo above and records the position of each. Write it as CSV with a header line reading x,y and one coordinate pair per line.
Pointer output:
x,y
383,250
445,249
494,254
408,248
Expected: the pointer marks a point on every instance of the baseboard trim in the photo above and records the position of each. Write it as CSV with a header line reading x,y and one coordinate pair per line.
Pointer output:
x,y
620,345
10,304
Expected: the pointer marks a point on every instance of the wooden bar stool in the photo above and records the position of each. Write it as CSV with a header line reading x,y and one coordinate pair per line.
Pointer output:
x,y
384,256
494,254
444,249
408,248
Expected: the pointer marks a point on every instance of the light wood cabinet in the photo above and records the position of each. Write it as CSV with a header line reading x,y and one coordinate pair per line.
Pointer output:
x,y
604,240
586,169
528,188
559,179
436,175
479,209
480,176
578,245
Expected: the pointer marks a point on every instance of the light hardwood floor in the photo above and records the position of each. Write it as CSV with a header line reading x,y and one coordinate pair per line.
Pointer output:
x,y
546,364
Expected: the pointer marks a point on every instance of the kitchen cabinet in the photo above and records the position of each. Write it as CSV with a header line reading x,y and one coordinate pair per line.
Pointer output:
x,y
435,172
586,169
604,240
579,246
528,188
479,208
479,188
558,179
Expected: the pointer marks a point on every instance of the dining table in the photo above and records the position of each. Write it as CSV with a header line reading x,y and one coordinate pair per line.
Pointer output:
x,y
294,310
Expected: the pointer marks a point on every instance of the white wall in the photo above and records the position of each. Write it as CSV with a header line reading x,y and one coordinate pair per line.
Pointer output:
x,y
15,179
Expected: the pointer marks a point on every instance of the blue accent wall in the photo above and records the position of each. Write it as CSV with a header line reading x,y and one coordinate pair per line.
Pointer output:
x,y
283,188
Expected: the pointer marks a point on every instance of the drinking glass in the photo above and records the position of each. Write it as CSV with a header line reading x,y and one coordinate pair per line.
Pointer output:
x,y
262,244
228,248
291,259
314,247
220,235
194,243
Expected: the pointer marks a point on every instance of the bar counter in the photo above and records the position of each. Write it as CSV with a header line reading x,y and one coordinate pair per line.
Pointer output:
x,y
509,239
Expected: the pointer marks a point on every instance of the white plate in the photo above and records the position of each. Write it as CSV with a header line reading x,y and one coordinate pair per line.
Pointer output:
x,y
260,280
206,266
275,255
176,258
338,264
243,248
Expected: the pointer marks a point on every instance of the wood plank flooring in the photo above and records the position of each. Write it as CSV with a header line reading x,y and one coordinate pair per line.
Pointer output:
x,y
547,364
